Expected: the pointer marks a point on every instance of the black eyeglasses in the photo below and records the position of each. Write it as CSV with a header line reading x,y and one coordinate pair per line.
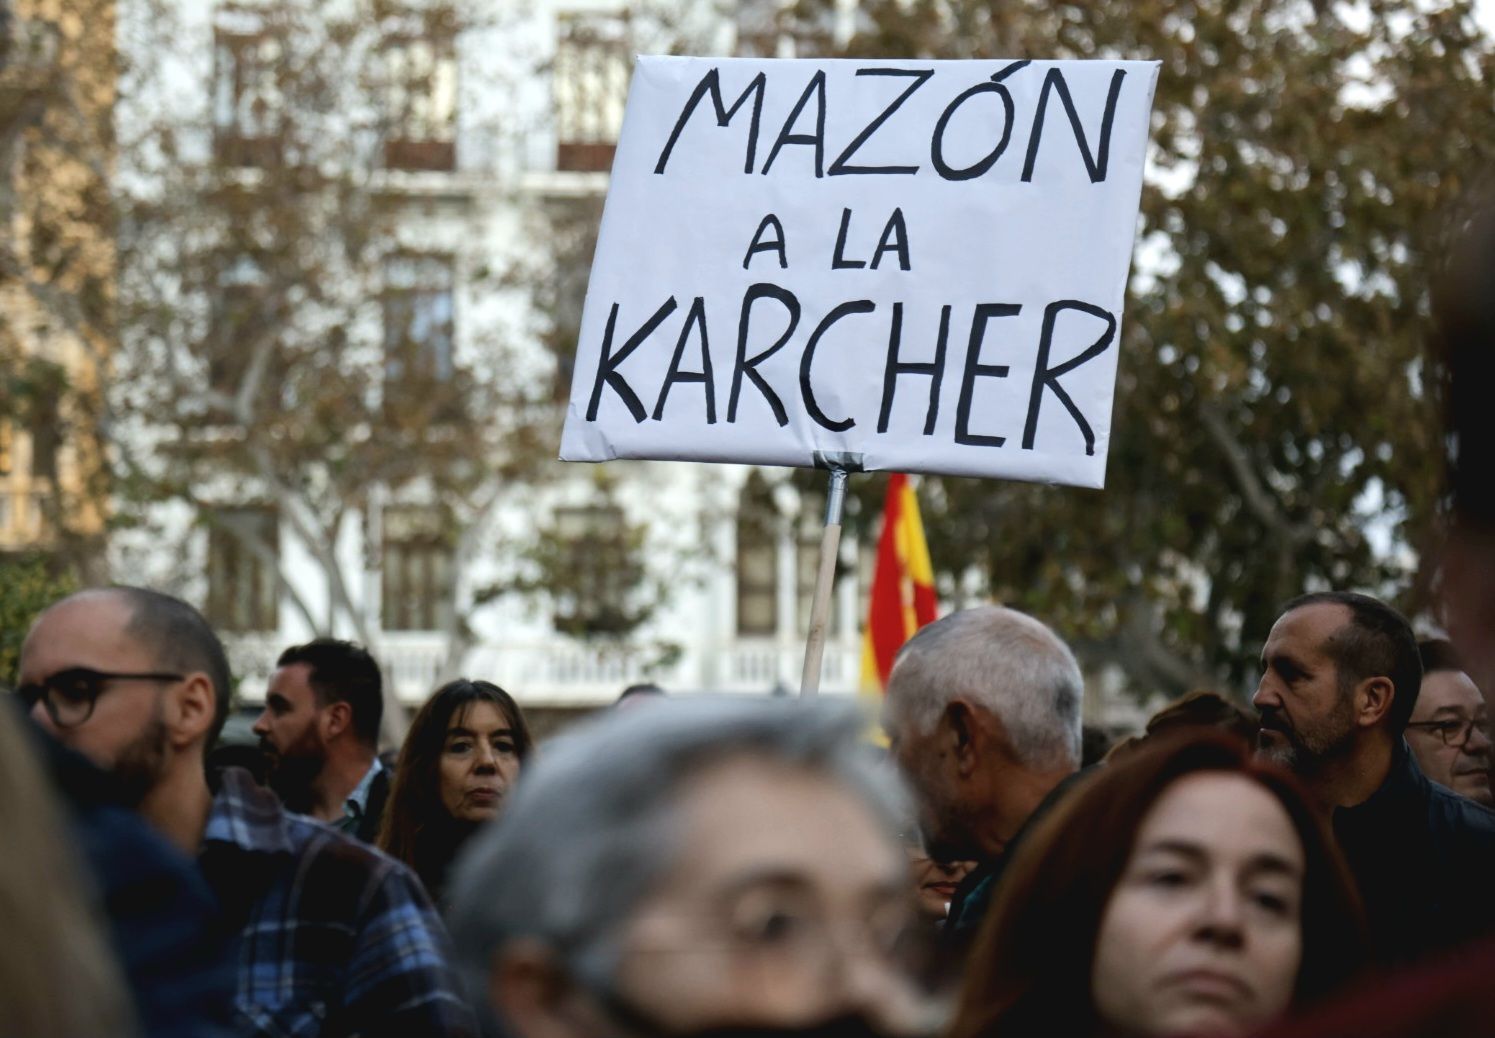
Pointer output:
x,y
69,695
1453,731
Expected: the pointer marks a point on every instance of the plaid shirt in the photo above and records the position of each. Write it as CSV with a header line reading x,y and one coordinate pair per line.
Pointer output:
x,y
335,938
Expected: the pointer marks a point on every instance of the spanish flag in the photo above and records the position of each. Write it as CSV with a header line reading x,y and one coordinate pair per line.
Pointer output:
x,y
902,598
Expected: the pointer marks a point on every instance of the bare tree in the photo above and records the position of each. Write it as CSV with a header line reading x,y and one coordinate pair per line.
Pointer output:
x,y
305,321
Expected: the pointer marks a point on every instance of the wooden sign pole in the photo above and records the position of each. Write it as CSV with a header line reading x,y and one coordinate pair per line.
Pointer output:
x,y
825,579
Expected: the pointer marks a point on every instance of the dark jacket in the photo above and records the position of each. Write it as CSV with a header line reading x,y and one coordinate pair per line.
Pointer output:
x,y
974,897
161,914
1423,858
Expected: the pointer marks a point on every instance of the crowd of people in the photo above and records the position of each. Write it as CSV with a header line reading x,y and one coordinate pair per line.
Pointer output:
x,y
693,865
1319,864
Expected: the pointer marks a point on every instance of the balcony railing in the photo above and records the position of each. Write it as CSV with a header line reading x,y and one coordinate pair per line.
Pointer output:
x,y
564,672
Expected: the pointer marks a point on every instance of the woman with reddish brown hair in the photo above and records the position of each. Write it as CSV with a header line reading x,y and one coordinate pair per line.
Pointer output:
x,y
1187,889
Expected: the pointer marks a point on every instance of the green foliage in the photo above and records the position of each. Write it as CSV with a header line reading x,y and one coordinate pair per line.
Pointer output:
x,y
1274,406
28,584
56,262
30,386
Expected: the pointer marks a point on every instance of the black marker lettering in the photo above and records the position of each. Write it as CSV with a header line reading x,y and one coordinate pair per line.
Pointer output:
x,y
816,88
712,83
896,368
920,77
1047,377
894,239
607,366
695,318
975,369
937,143
838,259
859,306
771,245
747,367
1096,167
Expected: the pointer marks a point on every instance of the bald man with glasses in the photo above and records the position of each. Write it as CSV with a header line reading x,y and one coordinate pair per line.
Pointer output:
x,y
330,936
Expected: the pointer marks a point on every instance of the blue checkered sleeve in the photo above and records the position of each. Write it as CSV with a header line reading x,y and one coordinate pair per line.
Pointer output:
x,y
399,980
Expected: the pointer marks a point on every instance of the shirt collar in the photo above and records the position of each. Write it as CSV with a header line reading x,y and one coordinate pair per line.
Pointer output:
x,y
247,816
357,804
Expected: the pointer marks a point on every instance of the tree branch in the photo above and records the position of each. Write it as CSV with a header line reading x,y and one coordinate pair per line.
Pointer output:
x,y
259,549
1259,500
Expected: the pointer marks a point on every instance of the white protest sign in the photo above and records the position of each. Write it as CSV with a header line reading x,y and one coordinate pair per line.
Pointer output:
x,y
919,262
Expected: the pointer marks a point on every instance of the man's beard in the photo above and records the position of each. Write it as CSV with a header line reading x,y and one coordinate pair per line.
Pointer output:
x,y
139,766
292,777
1305,750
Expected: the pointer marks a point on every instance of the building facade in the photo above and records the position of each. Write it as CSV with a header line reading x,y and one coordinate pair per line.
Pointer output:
x,y
363,445
489,155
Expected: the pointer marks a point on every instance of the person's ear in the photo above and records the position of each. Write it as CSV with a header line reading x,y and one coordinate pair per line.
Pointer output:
x,y
531,993
191,709
335,719
965,735
1373,699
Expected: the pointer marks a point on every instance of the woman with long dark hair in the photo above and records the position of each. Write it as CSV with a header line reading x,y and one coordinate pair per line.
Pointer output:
x,y
1186,889
461,757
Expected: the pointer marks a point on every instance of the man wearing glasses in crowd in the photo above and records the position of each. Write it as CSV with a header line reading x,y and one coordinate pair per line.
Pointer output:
x,y
1448,732
332,936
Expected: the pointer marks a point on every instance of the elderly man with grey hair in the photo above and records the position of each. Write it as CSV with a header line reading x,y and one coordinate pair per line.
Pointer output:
x,y
707,866
983,716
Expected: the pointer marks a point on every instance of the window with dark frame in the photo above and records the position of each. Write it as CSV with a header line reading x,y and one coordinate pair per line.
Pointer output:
x,y
600,569
248,109
243,587
420,85
570,229
757,560
239,317
45,438
419,325
228,349
416,571
590,83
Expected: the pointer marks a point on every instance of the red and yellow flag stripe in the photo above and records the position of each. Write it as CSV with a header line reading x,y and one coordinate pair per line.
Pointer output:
x,y
902,598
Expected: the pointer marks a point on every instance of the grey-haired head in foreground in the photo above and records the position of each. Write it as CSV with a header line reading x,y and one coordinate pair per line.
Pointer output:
x,y
591,829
